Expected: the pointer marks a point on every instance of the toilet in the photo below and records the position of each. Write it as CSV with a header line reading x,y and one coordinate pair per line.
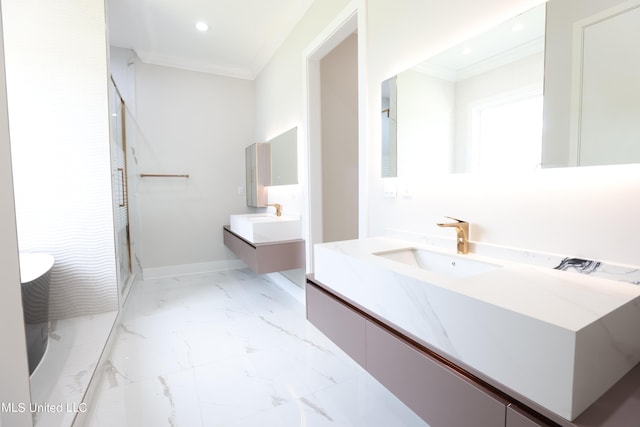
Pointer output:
x,y
35,271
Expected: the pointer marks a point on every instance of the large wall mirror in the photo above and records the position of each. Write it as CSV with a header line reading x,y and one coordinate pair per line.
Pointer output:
x,y
479,106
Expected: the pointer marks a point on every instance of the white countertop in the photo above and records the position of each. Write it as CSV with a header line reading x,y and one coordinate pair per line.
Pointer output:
x,y
563,298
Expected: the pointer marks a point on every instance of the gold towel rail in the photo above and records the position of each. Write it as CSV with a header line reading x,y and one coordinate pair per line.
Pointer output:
x,y
163,175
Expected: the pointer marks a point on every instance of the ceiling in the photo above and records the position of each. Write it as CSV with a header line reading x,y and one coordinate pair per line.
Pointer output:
x,y
514,39
242,34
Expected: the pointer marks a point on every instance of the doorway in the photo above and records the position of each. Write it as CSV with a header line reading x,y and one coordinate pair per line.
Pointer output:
x,y
333,133
339,141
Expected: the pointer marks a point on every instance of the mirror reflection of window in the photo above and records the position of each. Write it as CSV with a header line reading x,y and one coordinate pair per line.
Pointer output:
x,y
507,135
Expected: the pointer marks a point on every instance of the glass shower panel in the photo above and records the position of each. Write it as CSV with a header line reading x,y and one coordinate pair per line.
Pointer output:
x,y
120,187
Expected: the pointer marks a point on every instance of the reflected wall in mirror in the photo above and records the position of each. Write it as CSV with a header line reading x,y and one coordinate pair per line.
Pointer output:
x,y
284,158
389,130
258,173
592,89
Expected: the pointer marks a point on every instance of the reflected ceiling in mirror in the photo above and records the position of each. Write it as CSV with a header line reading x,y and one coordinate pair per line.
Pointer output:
x,y
474,107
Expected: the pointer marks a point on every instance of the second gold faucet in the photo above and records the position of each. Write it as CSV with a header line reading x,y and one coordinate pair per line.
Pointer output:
x,y
462,233
278,207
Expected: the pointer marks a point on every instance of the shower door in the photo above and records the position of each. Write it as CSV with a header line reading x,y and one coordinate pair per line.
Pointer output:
x,y
120,186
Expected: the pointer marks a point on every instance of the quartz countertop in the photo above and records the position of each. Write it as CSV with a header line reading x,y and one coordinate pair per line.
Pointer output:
x,y
566,299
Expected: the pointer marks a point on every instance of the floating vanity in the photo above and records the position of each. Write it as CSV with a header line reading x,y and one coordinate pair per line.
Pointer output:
x,y
266,243
504,342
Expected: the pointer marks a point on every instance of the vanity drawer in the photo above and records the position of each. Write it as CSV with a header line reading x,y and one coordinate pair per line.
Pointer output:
x,y
516,417
266,257
437,393
341,324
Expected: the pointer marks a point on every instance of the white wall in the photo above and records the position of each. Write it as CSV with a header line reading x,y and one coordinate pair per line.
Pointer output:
x,y
14,372
279,86
339,94
197,124
280,97
426,120
584,212
58,109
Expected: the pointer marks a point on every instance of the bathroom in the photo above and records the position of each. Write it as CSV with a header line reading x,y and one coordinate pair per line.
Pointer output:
x,y
584,212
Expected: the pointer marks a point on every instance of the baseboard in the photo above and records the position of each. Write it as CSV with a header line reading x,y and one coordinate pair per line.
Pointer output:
x,y
188,269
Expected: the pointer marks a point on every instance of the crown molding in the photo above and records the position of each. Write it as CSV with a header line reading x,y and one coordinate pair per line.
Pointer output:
x,y
198,66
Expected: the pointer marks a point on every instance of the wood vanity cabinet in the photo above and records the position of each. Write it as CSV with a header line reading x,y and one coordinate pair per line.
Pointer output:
x,y
266,257
343,325
436,391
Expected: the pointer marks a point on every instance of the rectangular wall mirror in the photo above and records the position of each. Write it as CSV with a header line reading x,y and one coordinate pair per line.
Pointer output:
x,y
271,163
284,158
479,106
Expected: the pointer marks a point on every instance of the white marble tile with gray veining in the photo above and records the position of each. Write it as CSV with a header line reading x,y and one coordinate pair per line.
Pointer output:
x,y
63,376
232,349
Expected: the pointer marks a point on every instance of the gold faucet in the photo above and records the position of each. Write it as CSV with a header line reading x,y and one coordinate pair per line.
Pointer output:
x,y
278,207
462,233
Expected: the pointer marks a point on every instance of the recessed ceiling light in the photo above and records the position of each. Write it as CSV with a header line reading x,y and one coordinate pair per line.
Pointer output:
x,y
466,51
202,26
517,27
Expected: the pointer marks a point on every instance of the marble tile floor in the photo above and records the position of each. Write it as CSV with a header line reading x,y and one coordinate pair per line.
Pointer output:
x,y
63,375
232,349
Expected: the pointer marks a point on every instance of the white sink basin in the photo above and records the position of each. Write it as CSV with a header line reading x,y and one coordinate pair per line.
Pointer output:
x,y
450,265
263,228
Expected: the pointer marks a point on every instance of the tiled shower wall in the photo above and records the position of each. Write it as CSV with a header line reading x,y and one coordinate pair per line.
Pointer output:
x,y
59,127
